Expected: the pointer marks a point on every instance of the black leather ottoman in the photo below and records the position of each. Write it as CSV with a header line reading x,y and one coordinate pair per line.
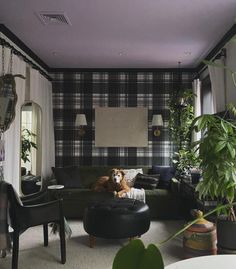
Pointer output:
x,y
116,218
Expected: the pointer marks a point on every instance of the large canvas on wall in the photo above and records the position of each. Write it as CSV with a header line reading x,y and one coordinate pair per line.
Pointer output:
x,y
121,127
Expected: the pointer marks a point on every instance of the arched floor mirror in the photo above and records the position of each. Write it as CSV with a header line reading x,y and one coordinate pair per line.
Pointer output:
x,y
31,148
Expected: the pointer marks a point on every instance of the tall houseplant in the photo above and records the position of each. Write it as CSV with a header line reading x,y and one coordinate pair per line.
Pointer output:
x,y
217,154
27,144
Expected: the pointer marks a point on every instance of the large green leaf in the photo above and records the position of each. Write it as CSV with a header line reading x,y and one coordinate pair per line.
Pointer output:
x,y
152,258
136,256
231,150
220,146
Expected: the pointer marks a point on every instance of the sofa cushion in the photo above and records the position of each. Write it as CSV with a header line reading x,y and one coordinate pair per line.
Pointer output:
x,y
166,174
68,176
130,175
148,182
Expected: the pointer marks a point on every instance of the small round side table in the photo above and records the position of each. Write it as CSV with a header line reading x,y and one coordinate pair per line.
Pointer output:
x,y
54,191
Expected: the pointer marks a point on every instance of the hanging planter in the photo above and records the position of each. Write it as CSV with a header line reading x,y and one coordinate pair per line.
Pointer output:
x,y
8,96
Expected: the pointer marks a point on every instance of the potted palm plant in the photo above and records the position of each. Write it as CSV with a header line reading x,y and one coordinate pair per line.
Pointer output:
x,y
217,154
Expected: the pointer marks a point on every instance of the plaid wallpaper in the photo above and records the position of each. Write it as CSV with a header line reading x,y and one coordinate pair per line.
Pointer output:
x,y
83,91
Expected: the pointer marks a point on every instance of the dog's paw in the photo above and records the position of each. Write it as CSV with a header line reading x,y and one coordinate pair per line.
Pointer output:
x,y
115,193
120,194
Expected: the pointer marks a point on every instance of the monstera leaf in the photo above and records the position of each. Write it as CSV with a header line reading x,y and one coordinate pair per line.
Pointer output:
x,y
136,256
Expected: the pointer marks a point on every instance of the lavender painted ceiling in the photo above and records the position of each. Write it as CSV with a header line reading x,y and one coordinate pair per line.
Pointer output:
x,y
121,33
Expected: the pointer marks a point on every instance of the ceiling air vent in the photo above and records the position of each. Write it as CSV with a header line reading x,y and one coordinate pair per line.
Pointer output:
x,y
53,18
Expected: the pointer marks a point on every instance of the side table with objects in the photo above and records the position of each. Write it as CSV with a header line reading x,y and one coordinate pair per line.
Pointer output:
x,y
55,194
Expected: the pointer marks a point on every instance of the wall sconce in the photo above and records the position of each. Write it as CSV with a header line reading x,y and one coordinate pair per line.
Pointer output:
x,y
157,121
80,122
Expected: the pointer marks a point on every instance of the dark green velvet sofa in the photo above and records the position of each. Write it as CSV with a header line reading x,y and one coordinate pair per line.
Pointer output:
x,y
78,193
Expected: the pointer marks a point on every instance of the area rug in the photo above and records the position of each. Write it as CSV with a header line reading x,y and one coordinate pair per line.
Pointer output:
x,y
33,255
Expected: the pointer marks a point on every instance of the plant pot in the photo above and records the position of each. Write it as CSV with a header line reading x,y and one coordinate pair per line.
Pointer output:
x,y
226,235
195,176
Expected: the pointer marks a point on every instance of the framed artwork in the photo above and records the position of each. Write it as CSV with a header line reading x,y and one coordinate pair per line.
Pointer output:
x,y
121,127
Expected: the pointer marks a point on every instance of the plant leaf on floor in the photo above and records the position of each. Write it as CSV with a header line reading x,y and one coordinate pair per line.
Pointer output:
x,y
136,256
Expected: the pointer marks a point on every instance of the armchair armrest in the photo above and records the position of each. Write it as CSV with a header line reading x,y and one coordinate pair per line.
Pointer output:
x,y
35,198
33,215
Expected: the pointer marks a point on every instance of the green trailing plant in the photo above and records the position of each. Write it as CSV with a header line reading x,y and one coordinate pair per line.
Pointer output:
x,y
185,160
136,256
180,121
181,117
27,144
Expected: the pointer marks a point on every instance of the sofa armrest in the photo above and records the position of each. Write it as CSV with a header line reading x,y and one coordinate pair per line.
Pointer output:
x,y
175,186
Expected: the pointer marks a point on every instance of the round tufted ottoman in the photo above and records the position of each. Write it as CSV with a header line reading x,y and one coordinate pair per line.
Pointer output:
x,y
116,218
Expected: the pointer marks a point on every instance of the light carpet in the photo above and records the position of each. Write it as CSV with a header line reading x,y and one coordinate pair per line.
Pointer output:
x,y
33,255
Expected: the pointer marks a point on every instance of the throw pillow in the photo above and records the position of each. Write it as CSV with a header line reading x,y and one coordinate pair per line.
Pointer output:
x,y
148,182
130,175
68,176
166,174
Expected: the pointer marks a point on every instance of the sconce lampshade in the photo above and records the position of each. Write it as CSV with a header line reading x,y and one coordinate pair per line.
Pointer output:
x,y
80,120
157,121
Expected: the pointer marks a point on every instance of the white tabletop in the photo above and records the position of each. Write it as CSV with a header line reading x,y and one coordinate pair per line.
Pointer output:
x,y
206,262
55,187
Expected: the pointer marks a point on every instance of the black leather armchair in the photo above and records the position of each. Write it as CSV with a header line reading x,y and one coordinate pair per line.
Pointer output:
x,y
22,217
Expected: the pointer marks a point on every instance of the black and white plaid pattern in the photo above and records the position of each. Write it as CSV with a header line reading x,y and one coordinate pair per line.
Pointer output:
x,y
81,92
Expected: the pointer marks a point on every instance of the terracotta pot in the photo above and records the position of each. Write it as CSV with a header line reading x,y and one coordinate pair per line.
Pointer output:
x,y
200,238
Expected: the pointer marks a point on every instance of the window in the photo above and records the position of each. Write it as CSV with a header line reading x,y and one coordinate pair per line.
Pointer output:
x,y
206,96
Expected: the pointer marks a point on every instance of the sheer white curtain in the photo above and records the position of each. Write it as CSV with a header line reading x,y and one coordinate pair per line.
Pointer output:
x,y
217,77
41,94
197,105
13,134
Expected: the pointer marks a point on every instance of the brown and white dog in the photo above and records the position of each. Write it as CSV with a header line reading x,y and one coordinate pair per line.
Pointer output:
x,y
116,182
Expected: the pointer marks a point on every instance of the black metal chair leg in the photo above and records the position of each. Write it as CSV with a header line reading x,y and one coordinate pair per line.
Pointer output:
x,y
45,234
62,241
15,250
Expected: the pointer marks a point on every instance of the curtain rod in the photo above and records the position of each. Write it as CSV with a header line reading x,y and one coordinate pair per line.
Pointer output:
x,y
221,53
4,43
